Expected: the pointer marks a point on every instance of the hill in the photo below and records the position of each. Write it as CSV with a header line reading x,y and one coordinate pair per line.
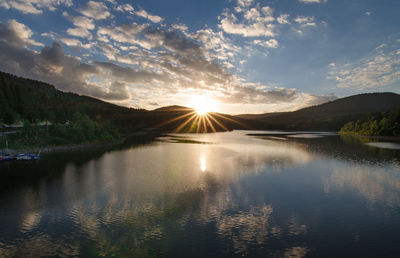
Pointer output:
x,y
331,115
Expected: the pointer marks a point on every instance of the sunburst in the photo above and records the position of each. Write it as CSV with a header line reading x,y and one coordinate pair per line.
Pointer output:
x,y
202,105
200,119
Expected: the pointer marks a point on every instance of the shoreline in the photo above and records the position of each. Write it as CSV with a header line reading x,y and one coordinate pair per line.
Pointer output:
x,y
61,148
137,137
374,137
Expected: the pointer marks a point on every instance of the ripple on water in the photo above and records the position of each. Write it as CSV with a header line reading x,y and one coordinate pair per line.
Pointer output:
x,y
385,145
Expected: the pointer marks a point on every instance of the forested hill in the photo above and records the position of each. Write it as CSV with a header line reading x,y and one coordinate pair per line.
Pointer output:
x,y
25,99
331,115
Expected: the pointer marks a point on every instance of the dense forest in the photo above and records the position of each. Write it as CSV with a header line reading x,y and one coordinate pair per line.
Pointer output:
x,y
375,124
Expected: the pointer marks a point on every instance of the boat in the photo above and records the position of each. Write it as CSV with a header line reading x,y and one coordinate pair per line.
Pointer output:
x,y
27,156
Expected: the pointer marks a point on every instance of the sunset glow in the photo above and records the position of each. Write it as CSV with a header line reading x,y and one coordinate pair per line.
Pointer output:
x,y
202,105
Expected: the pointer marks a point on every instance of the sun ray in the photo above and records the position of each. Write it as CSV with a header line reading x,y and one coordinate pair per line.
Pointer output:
x,y
176,118
179,128
218,123
210,123
232,120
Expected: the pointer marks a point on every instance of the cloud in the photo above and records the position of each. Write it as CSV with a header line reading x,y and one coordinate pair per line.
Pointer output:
x,y
125,7
79,32
231,25
244,3
380,70
272,43
80,21
95,10
141,13
250,20
146,15
313,1
368,13
283,19
34,6
75,43
180,26
82,28
117,91
305,21
17,34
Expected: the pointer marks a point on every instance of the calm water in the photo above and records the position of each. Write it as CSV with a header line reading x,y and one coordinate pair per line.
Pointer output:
x,y
209,195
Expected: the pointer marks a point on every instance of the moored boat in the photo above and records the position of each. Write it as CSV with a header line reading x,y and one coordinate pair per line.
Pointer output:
x,y
5,157
27,156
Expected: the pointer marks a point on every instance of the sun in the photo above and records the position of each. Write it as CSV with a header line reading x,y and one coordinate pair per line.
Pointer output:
x,y
202,105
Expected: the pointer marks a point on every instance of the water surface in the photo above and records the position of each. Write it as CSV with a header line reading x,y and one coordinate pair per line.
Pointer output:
x,y
222,195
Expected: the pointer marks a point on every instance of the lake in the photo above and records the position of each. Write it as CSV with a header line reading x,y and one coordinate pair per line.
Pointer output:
x,y
207,195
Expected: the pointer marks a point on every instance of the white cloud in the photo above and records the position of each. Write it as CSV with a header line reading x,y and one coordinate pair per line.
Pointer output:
x,y
305,21
283,19
146,15
17,34
95,10
377,71
368,13
34,6
79,32
80,21
75,43
267,10
381,46
313,1
253,29
125,7
244,3
180,26
272,43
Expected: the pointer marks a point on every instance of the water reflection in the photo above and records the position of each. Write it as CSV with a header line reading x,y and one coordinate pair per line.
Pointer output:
x,y
258,197
203,164
375,183
385,145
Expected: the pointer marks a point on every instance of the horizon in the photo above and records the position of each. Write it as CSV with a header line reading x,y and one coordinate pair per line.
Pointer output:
x,y
233,57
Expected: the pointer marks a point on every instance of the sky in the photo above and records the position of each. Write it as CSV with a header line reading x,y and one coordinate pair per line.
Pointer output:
x,y
234,56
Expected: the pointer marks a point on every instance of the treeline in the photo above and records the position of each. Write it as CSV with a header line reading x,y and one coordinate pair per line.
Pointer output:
x,y
81,129
375,124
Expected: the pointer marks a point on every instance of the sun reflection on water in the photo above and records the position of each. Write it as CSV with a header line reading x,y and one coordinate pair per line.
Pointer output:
x,y
203,164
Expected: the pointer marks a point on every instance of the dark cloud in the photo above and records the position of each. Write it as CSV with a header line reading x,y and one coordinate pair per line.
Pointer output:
x,y
16,34
53,66
319,99
256,95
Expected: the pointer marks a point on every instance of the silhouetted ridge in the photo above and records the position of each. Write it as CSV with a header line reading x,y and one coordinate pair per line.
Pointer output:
x,y
331,115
